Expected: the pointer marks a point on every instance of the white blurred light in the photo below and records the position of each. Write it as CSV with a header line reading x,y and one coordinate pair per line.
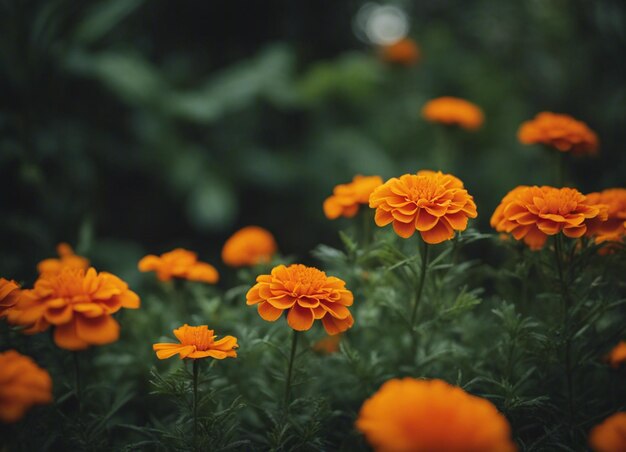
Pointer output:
x,y
381,24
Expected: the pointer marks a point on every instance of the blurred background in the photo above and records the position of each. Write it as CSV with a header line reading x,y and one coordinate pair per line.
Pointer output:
x,y
130,127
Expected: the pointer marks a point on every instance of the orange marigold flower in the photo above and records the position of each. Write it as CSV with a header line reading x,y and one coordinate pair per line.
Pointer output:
x,y
614,228
617,356
433,203
179,263
9,293
78,304
22,384
404,52
610,435
307,294
347,198
454,111
67,259
249,246
425,415
561,132
328,345
197,342
534,213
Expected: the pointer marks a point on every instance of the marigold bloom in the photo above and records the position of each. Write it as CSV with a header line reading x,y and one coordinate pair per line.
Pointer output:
x,y
408,415
561,132
197,342
307,294
404,52
67,259
617,356
9,293
328,345
78,304
179,263
610,435
614,228
22,385
534,213
249,246
454,111
347,198
433,203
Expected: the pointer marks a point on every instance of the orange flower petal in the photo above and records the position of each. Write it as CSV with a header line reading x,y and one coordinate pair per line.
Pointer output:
x,y
300,319
65,337
269,312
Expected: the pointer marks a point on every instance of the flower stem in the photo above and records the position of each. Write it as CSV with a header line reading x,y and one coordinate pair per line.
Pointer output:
x,y
76,359
418,295
294,346
196,373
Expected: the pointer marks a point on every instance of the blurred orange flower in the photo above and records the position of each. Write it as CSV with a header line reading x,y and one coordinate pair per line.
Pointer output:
x,y
407,415
67,259
22,384
197,342
328,345
249,246
561,132
347,198
617,356
433,203
614,228
9,293
179,263
534,213
307,294
78,304
610,435
404,52
454,111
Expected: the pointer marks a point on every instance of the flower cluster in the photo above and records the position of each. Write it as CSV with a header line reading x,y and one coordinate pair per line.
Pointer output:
x,y
610,435
453,111
433,203
179,263
67,259
348,198
614,228
78,304
558,131
307,294
426,415
22,384
533,213
9,293
249,246
197,342
404,52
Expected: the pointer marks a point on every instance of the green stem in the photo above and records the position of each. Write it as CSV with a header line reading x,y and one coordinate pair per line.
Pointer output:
x,y
559,167
418,296
76,358
196,372
568,340
294,346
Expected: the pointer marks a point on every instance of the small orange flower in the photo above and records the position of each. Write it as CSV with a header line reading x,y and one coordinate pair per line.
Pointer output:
x,y
179,263
454,111
614,228
78,304
347,198
425,415
404,52
561,132
433,203
534,213
249,246
9,293
22,384
328,345
307,294
617,356
67,259
197,342
610,435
